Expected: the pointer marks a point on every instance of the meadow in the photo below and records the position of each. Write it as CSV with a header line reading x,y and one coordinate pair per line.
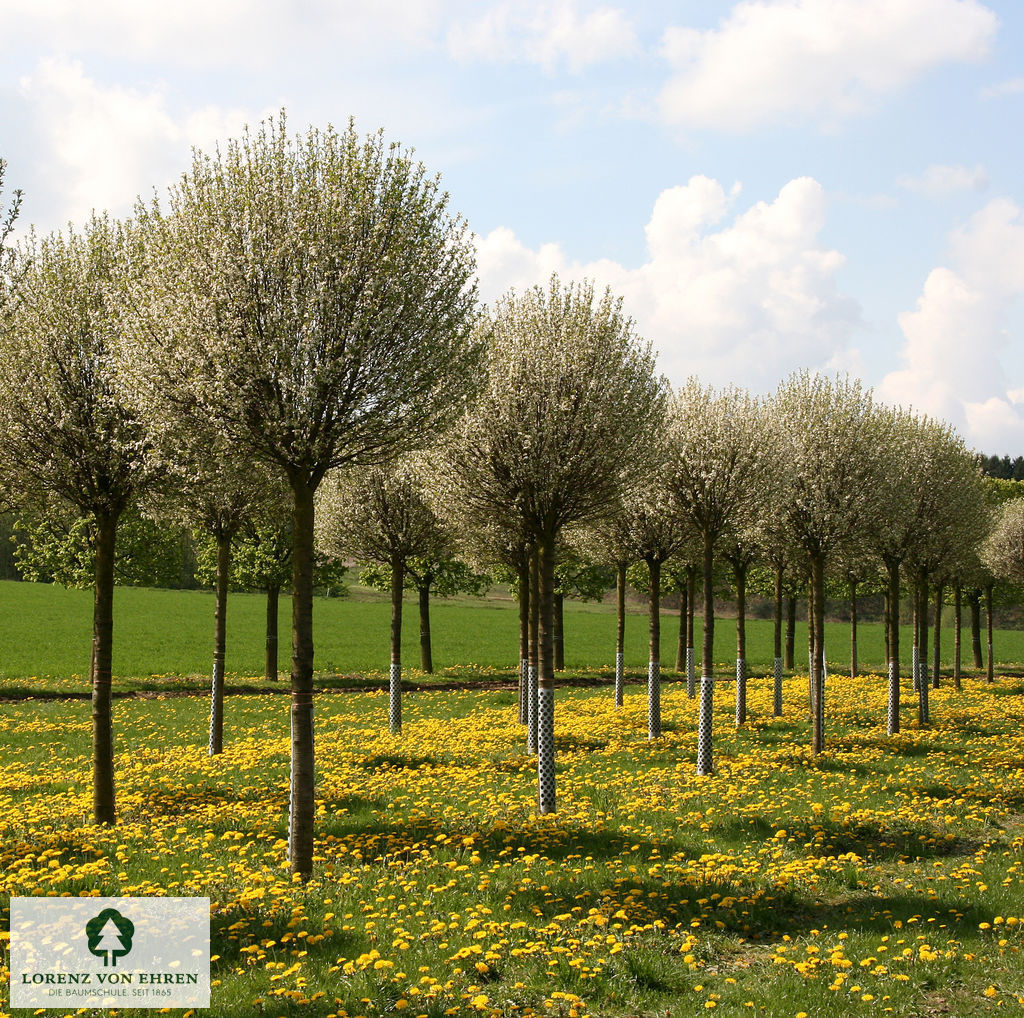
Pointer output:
x,y
883,877
162,636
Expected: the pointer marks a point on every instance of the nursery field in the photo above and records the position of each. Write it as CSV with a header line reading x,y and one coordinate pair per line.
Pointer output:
x,y
883,877
47,629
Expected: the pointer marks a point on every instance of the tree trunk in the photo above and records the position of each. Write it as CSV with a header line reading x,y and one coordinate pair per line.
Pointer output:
x,y
524,641
818,670
654,657
990,667
705,763
270,663
301,810
940,590
893,644
886,623
534,670
741,645
395,672
220,616
103,810
791,632
546,678
777,669
681,642
426,647
957,627
922,653
974,597
853,629
620,629
558,635
810,651
915,650
691,602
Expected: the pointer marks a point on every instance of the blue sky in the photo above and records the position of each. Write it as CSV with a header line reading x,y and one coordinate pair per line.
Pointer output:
x,y
770,185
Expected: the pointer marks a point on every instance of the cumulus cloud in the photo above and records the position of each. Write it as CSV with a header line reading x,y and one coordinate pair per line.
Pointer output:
x,y
938,180
548,34
741,296
956,336
102,146
773,60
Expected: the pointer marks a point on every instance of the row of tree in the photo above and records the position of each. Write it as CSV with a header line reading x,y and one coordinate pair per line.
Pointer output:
x,y
292,342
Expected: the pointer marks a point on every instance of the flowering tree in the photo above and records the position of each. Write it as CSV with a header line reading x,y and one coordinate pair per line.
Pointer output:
x,y
312,298
828,437
67,432
569,407
718,455
6,228
935,516
380,515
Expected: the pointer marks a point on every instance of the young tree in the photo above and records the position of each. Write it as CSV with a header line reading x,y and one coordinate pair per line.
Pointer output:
x,y
263,561
1003,550
569,408
440,575
775,578
681,573
311,297
215,492
66,430
655,534
828,438
950,521
501,543
579,577
718,456
741,551
609,540
381,515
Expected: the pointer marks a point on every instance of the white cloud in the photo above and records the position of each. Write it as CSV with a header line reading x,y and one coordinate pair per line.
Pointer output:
x,y
545,33
206,33
103,146
956,337
774,60
745,300
938,180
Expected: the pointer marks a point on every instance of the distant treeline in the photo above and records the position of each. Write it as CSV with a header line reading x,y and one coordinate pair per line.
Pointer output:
x,y
1002,466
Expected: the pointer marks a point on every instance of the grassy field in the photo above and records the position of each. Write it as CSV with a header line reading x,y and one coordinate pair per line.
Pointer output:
x,y
883,877
47,629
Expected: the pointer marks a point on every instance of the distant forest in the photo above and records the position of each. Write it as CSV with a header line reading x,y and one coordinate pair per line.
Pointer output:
x,y
1003,466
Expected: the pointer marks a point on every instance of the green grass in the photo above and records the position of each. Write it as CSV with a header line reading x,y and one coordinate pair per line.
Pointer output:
x,y
46,632
895,863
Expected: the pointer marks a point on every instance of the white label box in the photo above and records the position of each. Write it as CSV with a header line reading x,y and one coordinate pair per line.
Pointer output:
x,y
110,952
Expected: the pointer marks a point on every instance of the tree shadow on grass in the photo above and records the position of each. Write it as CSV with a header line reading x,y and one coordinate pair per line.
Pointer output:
x,y
241,926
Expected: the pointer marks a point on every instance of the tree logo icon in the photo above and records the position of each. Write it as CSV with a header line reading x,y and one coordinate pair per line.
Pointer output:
x,y
110,935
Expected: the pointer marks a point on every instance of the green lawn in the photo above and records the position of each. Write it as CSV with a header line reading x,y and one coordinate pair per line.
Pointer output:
x,y
46,632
